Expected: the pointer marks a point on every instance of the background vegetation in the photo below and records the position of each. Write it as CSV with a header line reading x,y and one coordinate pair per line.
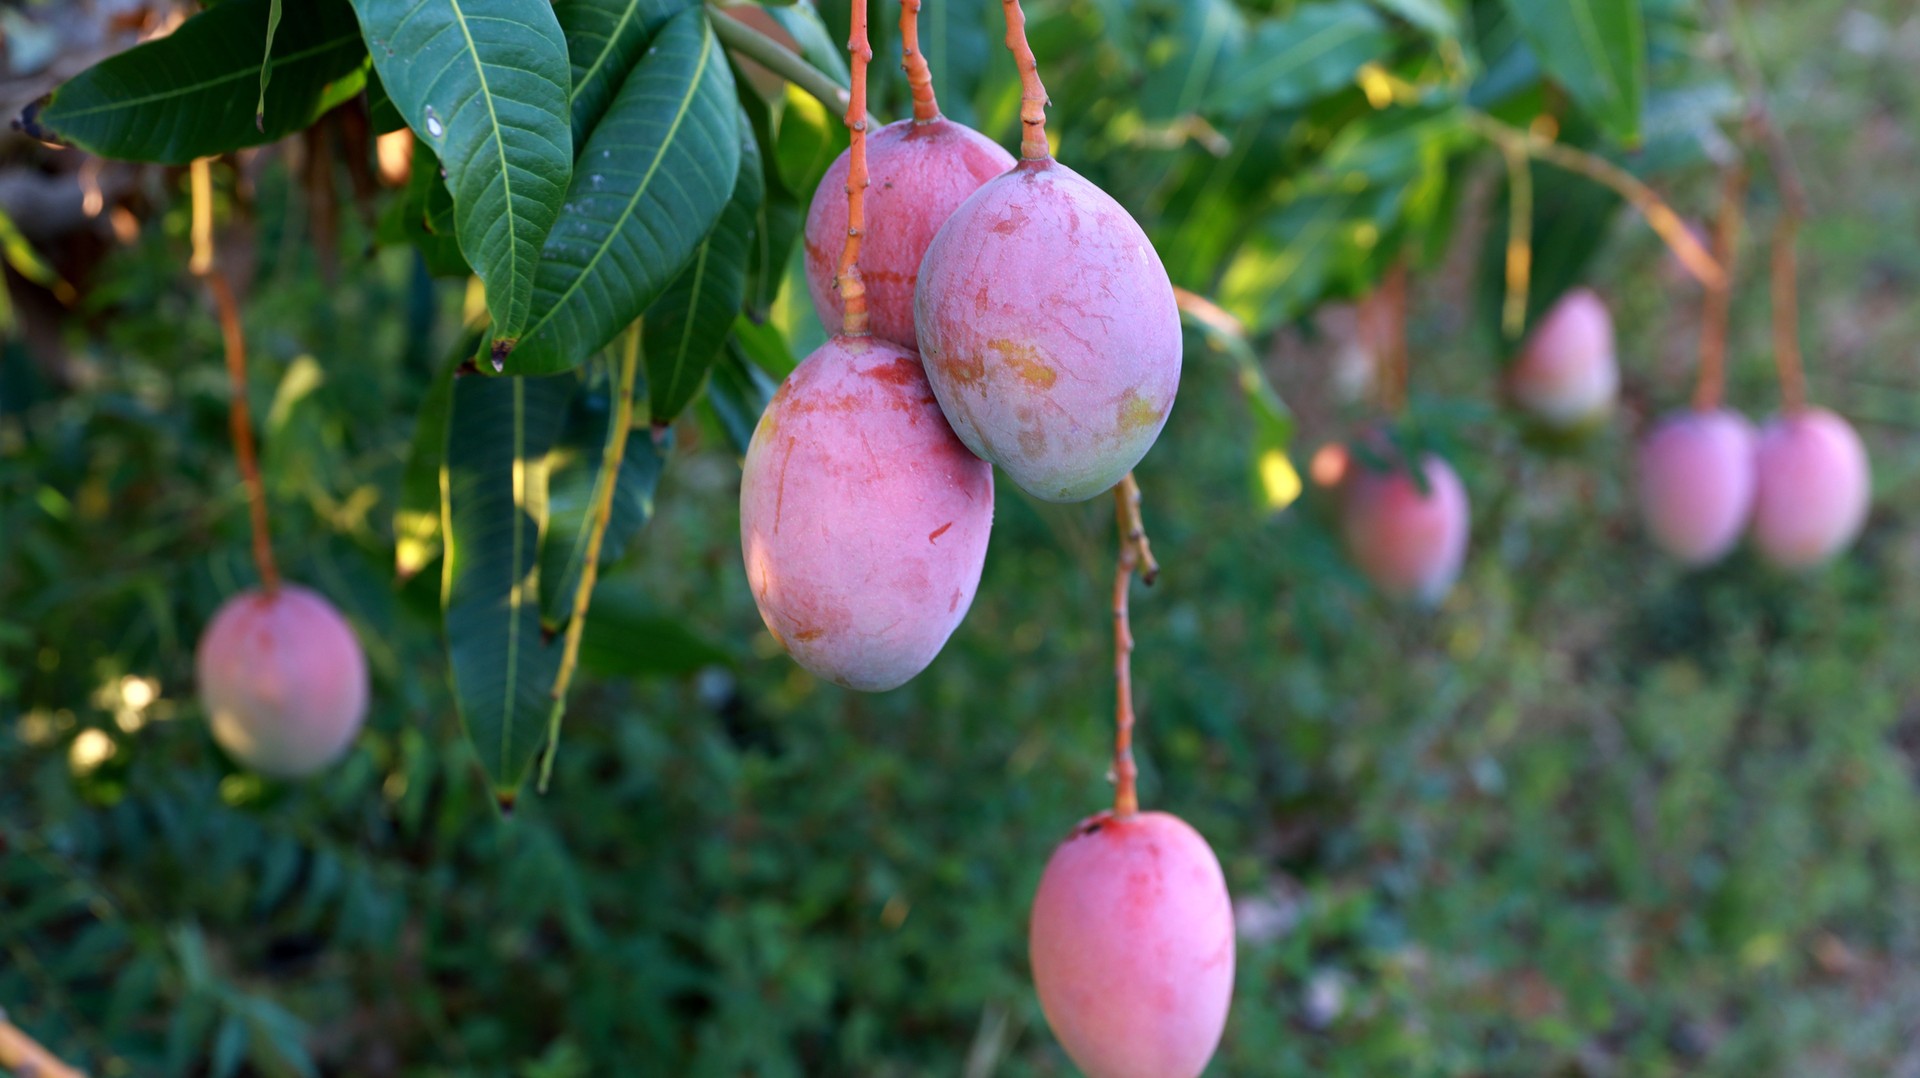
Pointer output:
x,y
1595,816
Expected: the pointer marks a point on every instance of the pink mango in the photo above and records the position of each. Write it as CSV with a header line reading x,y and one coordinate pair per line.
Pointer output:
x,y
919,173
1410,544
283,679
1132,945
1814,488
1566,377
1049,331
863,520
1697,483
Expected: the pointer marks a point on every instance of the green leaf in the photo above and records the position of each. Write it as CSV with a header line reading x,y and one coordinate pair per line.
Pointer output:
x,y
685,328
1290,61
1318,242
958,48
604,39
1436,17
266,65
383,116
574,475
1205,45
423,216
1597,51
652,179
486,84
738,394
416,521
818,46
778,222
186,95
494,516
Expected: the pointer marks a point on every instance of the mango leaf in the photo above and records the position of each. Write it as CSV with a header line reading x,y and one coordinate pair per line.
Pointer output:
x,y
416,521
738,393
778,221
685,328
958,48
382,115
604,39
423,216
1290,61
189,94
574,476
1438,18
494,516
266,64
1317,243
626,636
1597,51
1205,44
486,84
818,46
652,180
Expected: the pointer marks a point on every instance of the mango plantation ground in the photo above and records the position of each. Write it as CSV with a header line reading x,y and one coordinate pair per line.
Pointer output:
x,y
1594,816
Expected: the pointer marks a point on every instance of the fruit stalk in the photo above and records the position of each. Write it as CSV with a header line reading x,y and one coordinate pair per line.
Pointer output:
x,y
23,1055
239,417
1719,299
1513,316
612,457
1135,554
853,291
926,108
1659,216
1033,93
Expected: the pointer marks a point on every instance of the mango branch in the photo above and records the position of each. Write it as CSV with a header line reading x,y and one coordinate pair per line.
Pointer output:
x,y
1135,554
1033,93
926,108
239,416
853,290
611,460
1659,216
1719,300
25,1058
777,58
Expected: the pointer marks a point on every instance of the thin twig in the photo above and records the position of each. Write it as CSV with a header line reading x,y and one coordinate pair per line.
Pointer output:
x,y
779,59
1513,316
853,289
1033,93
25,1057
926,108
1786,311
1659,216
611,460
1135,553
1719,301
204,264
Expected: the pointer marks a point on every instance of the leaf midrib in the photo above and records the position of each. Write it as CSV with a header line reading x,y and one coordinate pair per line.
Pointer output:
x,y
506,174
625,18
646,183
181,91
1338,32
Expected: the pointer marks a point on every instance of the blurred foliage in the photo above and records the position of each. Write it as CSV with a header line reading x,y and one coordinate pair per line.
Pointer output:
x,y
1594,816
